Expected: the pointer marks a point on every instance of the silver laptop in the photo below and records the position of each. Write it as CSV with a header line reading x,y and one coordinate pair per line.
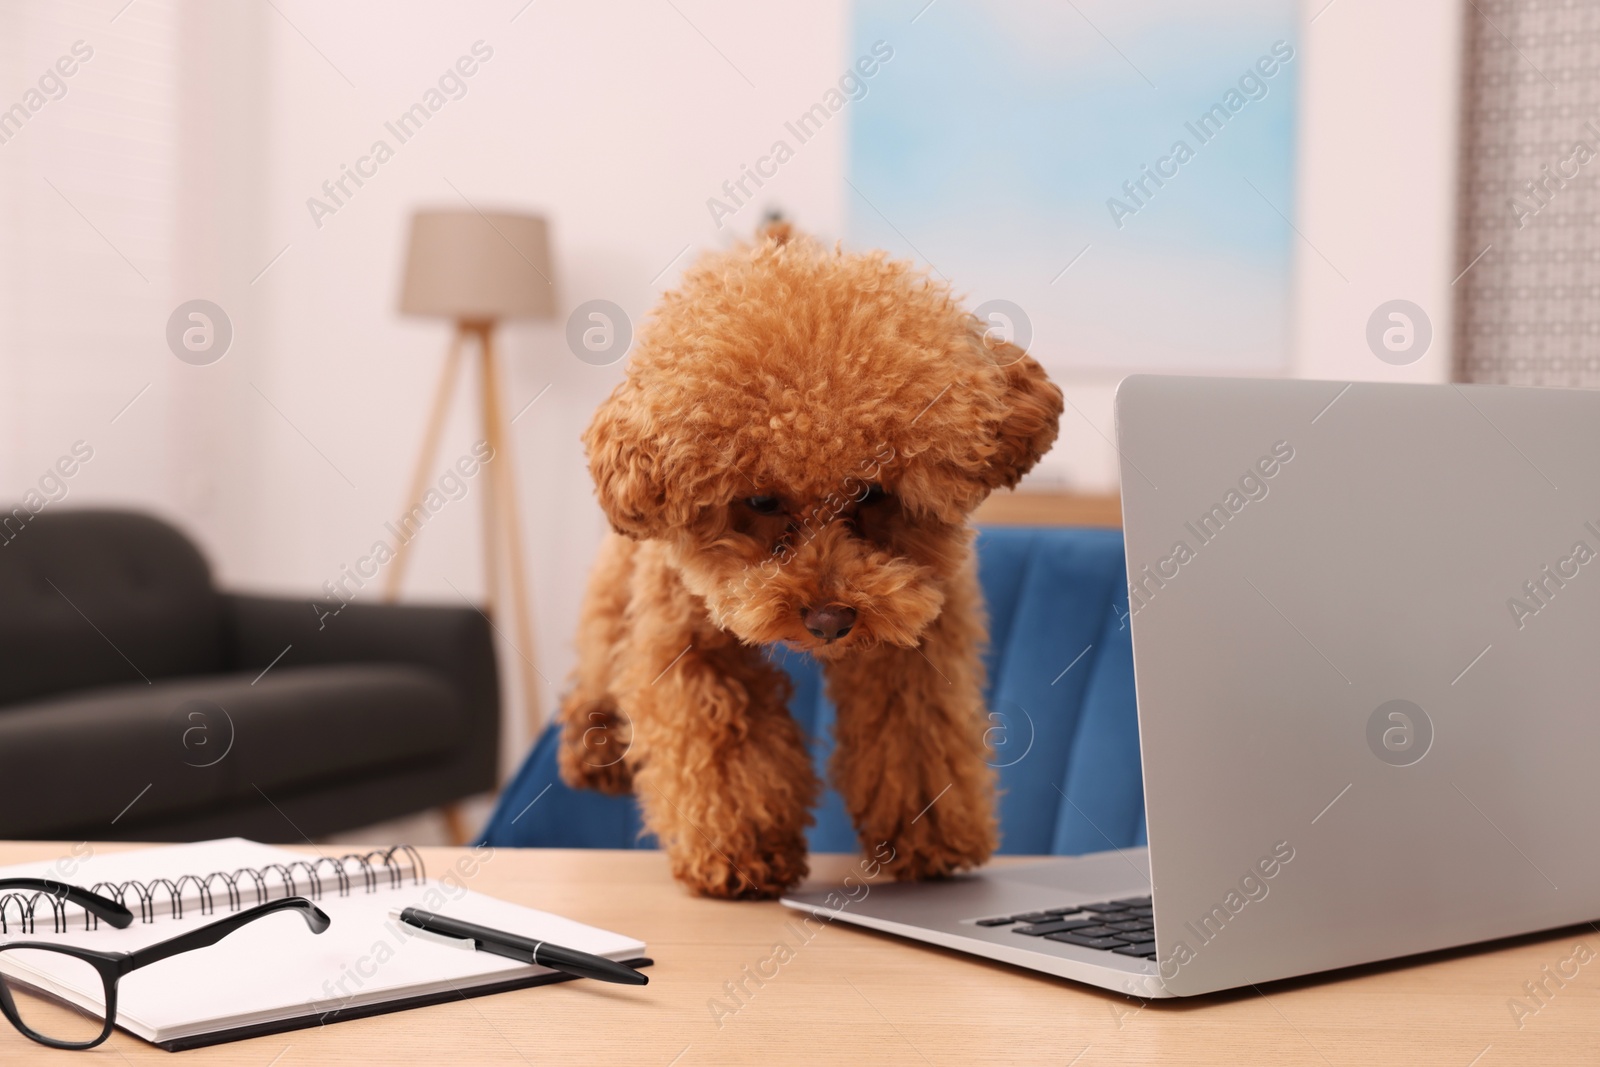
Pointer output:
x,y
1366,636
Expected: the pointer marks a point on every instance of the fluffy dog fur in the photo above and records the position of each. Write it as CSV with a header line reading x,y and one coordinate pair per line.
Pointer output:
x,y
799,428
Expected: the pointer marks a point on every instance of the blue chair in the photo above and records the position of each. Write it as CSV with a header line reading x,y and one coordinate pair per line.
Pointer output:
x,y
1060,694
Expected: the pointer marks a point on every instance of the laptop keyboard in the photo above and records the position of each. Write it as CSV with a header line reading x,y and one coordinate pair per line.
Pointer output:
x,y
1125,927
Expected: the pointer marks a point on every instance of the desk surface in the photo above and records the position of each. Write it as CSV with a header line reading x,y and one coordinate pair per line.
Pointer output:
x,y
855,997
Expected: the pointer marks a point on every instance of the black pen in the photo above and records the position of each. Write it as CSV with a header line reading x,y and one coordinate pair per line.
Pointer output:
x,y
525,950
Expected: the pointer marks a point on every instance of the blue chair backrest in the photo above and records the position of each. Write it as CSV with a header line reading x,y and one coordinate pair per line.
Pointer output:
x,y
1061,710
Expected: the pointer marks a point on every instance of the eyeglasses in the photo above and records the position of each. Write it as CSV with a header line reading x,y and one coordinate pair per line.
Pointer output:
x,y
49,991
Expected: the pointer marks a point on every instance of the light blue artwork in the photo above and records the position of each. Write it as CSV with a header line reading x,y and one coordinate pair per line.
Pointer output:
x,y
1121,171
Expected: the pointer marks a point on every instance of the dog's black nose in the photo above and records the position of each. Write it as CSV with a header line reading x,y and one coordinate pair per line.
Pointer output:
x,y
829,623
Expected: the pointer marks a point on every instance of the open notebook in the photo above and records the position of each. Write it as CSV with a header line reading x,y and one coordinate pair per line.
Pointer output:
x,y
274,974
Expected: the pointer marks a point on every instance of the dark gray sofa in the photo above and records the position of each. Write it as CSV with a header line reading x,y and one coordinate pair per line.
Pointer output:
x,y
133,703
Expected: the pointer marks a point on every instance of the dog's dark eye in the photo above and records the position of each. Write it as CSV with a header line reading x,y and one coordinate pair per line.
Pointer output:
x,y
762,505
875,493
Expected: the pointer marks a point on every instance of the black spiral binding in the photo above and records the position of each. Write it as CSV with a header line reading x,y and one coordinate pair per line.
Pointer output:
x,y
259,883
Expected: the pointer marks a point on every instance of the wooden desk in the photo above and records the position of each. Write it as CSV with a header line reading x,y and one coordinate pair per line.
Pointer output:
x,y
859,998
1050,509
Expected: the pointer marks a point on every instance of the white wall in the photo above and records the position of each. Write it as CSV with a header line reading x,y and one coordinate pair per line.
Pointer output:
x,y
619,120
1377,182
87,208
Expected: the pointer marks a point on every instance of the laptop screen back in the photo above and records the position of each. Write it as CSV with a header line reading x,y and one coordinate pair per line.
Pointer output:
x,y
1366,630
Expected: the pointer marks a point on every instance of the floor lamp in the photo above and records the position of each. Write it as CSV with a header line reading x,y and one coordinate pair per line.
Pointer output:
x,y
479,269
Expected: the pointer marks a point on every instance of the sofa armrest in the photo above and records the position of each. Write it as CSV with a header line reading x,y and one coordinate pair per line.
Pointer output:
x,y
454,642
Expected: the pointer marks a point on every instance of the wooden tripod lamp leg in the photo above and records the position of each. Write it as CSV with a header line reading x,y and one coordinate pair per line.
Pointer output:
x,y
455,822
501,528
492,505
506,503
430,447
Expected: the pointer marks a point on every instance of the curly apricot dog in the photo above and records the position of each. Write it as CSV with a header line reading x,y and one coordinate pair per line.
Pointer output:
x,y
791,459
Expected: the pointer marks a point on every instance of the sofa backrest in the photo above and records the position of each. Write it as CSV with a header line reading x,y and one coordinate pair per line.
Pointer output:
x,y
93,598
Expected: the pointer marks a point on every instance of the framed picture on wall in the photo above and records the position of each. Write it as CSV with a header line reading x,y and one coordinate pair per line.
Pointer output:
x,y
1111,184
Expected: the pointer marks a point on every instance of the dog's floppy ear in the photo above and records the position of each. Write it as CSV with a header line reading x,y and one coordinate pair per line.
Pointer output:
x,y
1032,415
625,465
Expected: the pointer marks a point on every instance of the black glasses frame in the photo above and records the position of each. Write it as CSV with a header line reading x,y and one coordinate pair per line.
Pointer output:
x,y
112,966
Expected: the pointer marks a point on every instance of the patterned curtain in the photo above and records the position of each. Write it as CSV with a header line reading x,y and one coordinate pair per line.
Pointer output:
x,y
1528,246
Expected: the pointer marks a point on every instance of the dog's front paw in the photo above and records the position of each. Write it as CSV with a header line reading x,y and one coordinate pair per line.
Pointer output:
x,y
938,844
595,739
761,871
926,860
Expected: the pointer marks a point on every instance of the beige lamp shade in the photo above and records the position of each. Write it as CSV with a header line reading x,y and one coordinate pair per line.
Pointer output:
x,y
479,267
